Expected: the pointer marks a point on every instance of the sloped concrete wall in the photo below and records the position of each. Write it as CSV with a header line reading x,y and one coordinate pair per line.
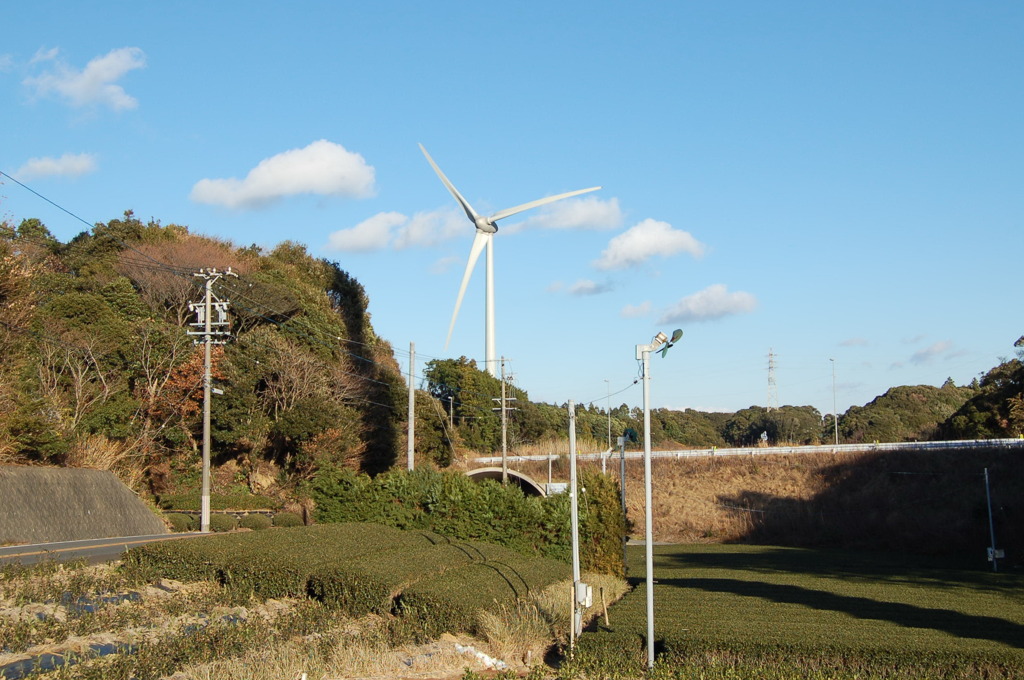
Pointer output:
x,y
44,505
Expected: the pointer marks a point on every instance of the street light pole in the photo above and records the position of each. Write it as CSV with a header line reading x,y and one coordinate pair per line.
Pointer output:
x,y
577,611
835,413
643,354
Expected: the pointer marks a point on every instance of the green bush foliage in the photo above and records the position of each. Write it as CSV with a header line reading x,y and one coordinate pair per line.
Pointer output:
x,y
181,522
255,522
453,505
452,600
220,523
218,501
287,519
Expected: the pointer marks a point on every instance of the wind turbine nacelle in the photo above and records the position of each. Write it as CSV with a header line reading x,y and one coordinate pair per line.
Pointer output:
x,y
485,225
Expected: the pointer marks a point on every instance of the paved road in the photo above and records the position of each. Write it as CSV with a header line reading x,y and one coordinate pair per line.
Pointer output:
x,y
95,550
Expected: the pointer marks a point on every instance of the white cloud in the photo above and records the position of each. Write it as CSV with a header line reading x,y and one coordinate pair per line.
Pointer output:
x,y
44,55
444,264
645,240
397,231
431,228
588,287
6,63
854,342
323,168
590,212
933,351
714,302
636,311
93,85
368,235
68,165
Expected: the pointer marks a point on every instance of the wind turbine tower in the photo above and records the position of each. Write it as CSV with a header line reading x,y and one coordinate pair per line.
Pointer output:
x,y
486,228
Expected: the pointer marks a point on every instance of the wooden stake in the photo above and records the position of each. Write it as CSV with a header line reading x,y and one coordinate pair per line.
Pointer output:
x,y
604,606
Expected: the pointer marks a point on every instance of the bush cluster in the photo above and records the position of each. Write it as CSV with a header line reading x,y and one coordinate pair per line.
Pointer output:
x,y
255,522
287,519
221,523
357,568
218,501
180,522
455,506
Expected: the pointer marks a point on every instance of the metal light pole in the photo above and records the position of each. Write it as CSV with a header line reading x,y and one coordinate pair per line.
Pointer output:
x,y
835,413
643,353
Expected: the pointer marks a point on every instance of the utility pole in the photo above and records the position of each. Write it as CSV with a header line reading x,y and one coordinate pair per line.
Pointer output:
x,y
411,436
608,408
773,390
205,319
451,412
504,424
622,489
835,412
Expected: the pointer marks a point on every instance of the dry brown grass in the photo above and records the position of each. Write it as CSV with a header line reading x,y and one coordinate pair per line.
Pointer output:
x,y
920,501
351,652
527,629
96,452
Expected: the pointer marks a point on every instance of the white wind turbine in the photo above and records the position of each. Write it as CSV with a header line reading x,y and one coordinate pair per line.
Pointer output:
x,y
485,230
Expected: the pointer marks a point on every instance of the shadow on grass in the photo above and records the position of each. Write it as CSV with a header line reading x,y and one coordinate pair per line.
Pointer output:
x,y
945,572
945,620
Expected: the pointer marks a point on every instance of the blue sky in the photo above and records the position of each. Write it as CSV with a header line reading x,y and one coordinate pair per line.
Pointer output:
x,y
816,180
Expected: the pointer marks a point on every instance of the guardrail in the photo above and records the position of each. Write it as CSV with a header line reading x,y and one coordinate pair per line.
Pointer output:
x,y
778,450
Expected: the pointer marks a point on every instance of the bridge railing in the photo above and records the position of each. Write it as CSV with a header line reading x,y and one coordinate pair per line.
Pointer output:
x,y
1017,444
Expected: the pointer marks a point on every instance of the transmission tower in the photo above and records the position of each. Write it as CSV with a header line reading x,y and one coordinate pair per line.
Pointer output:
x,y
773,390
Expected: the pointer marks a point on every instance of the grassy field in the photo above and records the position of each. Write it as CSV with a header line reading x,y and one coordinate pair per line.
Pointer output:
x,y
739,611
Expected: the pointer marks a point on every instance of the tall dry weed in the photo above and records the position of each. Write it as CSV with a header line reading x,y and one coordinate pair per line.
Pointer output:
x,y
96,452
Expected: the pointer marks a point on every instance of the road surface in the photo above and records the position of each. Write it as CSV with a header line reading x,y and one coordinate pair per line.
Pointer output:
x,y
94,550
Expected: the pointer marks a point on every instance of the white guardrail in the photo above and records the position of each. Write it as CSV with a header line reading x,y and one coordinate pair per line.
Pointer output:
x,y
778,450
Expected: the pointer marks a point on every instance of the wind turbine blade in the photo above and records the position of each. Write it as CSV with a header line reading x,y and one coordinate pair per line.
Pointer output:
x,y
533,204
470,213
479,242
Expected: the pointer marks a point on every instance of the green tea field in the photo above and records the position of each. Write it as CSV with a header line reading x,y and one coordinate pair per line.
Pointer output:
x,y
740,611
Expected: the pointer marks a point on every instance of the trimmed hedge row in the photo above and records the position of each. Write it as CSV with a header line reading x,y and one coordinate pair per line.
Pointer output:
x,y
218,501
456,506
357,568
453,600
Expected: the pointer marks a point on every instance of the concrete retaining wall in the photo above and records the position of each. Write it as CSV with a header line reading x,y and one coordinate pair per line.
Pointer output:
x,y
44,505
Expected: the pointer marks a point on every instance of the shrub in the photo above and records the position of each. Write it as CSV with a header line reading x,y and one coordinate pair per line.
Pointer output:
x,y
454,505
180,522
218,501
222,523
287,519
255,522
